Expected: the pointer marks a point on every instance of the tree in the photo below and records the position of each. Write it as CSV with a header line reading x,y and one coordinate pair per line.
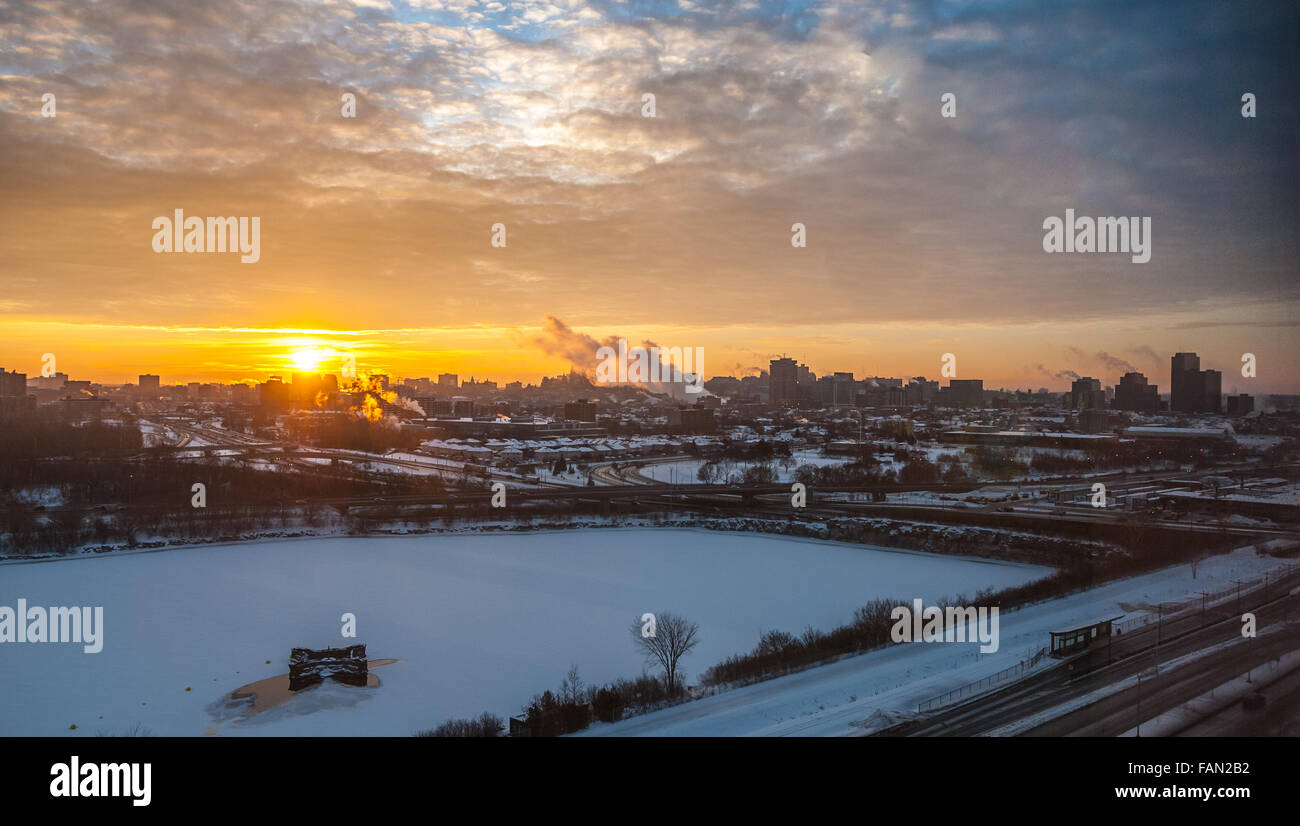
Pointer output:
x,y
774,642
572,689
673,638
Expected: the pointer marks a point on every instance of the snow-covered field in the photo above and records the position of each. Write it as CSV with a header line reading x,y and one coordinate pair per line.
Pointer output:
x,y
686,471
480,622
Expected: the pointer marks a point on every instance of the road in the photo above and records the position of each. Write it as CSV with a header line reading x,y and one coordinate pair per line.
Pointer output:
x,y
1130,654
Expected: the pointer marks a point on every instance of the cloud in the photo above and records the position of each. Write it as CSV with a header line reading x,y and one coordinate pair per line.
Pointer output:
x,y
529,114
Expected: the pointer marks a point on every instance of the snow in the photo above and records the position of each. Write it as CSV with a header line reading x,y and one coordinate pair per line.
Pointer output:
x,y
480,622
836,699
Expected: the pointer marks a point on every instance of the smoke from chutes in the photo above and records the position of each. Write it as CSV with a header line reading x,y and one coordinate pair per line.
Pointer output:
x,y
1062,374
408,404
579,350
1116,363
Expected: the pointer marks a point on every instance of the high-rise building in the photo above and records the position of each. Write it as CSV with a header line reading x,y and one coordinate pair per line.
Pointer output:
x,y
784,381
448,381
1183,381
1086,394
149,386
1211,391
1193,390
1135,394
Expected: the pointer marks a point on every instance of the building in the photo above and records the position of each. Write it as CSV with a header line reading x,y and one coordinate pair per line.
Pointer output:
x,y
838,389
1211,397
449,381
310,389
1065,643
1086,394
1094,420
580,410
1133,393
150,386
691,419
54,382
1240,404
12,384
1193,390
1178,435
966,393
273,393
783,386
84,408
920,391
1183,368
14,401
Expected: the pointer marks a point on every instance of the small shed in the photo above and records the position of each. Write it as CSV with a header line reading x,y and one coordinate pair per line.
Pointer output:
x,y
1065,643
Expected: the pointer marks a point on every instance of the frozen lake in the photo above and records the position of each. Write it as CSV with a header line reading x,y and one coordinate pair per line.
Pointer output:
x,y
480,622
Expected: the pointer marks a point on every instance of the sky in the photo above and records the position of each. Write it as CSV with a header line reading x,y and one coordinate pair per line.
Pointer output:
x,y
924,233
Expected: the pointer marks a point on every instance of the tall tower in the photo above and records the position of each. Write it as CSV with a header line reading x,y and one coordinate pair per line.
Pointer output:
x,y
1184,382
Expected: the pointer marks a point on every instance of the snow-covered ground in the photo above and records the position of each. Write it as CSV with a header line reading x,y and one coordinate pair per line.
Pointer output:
x,y
480,622
686,471
887,684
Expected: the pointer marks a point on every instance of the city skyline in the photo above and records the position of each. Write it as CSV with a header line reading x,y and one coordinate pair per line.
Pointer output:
x,y
313,360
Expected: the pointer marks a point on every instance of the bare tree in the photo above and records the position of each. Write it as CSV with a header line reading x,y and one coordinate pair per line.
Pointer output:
x,y
572,689
671,638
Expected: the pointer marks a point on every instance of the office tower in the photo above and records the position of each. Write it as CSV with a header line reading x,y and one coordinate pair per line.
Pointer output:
x,y
1193,390
1184,382
1135,394
784,381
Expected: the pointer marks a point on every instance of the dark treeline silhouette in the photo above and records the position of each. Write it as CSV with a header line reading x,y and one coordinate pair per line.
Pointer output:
x,y
27,439
350,432
572,707
486,724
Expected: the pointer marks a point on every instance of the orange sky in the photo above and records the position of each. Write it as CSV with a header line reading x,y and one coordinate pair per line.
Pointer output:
x,y
924,233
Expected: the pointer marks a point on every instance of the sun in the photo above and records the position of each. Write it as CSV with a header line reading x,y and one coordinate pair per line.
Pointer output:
x,y
307,359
